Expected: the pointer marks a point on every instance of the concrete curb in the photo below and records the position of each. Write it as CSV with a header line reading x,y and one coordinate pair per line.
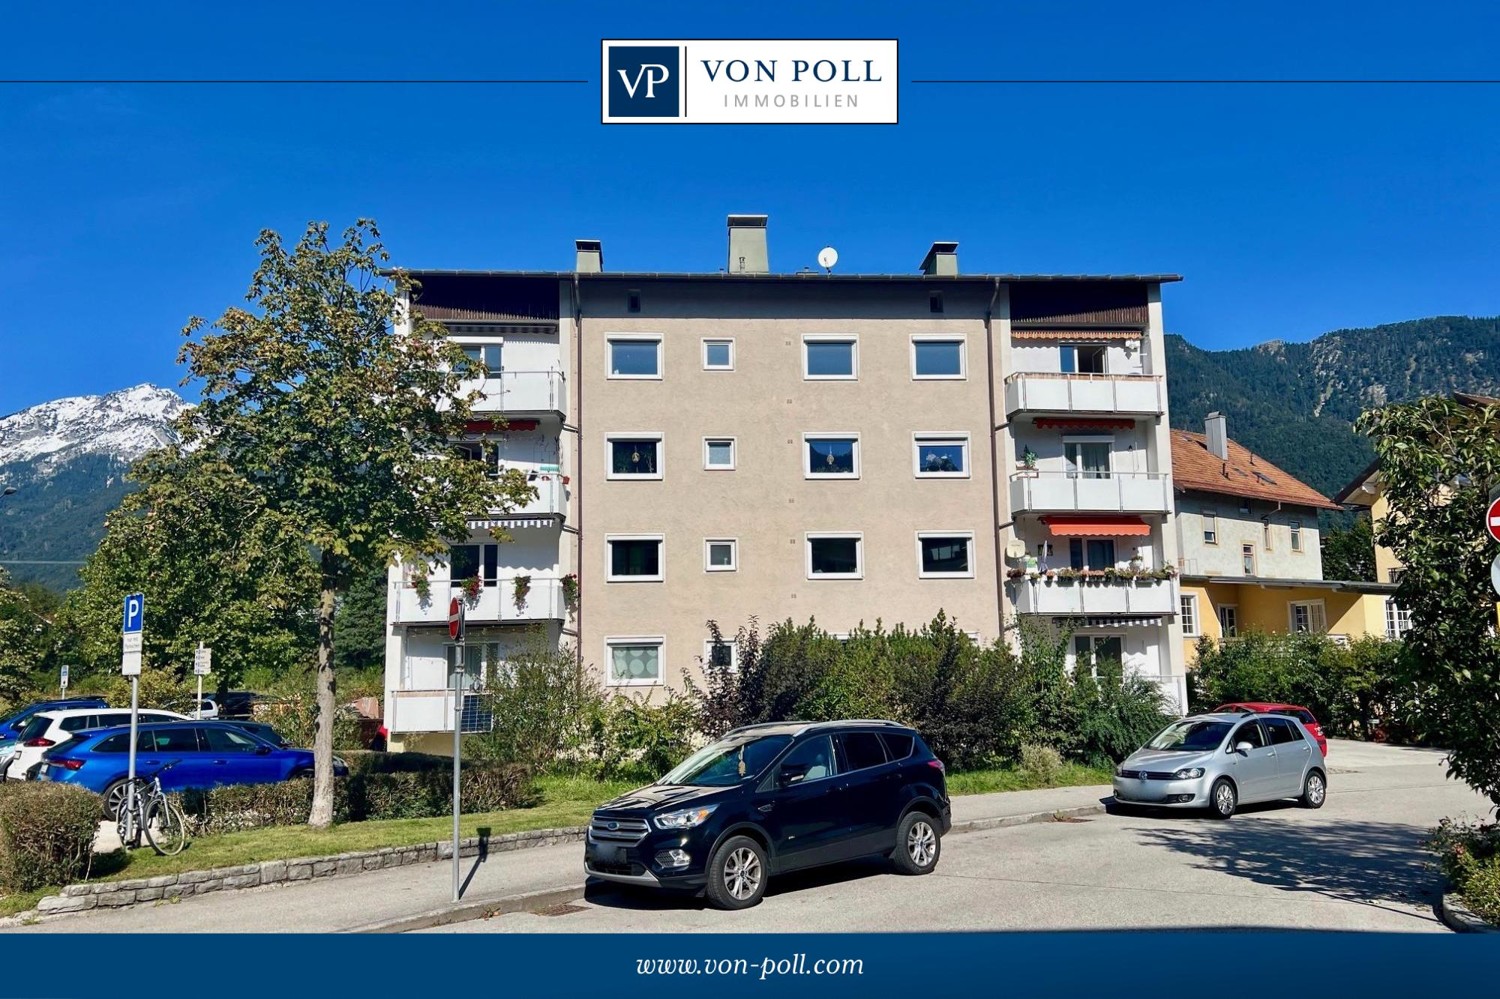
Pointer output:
x,y
463,911
1027,818
1453,912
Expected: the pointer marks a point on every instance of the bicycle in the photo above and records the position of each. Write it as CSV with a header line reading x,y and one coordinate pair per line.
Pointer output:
x,y
154,815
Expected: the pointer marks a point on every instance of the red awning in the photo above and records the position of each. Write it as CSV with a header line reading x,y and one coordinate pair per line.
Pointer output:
x,y
1083,423
490,426
1108,527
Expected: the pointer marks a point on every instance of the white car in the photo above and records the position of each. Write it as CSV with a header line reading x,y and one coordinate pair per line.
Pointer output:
x,y
52,728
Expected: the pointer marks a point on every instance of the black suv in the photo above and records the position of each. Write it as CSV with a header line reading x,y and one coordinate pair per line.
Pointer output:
x,y
767,799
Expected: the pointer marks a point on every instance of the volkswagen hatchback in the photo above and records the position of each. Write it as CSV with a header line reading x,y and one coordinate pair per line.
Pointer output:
x,y
767,799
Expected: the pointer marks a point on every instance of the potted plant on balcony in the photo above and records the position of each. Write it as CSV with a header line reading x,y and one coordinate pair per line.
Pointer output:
x,y
570,591
1016,573
520,588
1028,459
472,588
418,579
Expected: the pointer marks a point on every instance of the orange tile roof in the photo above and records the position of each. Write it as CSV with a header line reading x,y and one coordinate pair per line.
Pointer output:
x,y
1193,467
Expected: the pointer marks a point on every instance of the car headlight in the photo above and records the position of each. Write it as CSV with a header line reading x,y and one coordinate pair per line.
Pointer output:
x,y
685,819
1189,773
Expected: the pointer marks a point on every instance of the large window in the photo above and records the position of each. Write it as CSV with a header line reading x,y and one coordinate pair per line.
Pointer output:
x,y
1190,615
937,357
832,456
1091,553
945,554
940,456
634,661
1307,616
467,561
1098,653
633,456
1229,620
835,556
634,357
1087,458
635,558
830,357
1397,619
1083,358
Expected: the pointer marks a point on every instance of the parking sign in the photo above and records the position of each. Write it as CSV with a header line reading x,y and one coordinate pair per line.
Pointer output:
x,y
202,661
135,614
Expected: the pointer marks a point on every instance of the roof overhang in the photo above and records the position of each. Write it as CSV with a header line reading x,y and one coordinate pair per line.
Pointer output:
x,y
1268,583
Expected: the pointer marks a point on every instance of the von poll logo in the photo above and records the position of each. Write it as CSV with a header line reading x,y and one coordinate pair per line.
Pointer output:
x,y
750,81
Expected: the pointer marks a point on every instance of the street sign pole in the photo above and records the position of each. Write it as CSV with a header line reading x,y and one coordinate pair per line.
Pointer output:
x,y
130,664
202,663
456,632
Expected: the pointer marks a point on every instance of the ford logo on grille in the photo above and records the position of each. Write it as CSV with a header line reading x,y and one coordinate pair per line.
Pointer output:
x,y
613,826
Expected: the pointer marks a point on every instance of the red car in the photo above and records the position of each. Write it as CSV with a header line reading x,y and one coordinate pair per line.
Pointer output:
x,y
1269,708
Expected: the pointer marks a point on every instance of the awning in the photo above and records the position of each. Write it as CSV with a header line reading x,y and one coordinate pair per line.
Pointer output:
x,y
512,523
1112,622
490,426
1083,423
1097,527
1083,336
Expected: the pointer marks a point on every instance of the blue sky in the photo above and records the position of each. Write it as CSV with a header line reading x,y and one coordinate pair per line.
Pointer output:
x,y
1290,210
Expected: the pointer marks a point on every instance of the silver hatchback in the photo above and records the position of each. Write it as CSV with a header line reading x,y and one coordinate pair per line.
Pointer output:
x,y
1221,761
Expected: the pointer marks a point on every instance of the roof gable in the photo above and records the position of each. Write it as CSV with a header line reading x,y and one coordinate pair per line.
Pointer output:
x,y
1246,474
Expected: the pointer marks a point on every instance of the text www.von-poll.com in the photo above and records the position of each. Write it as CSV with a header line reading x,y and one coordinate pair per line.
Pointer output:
x,y
766,968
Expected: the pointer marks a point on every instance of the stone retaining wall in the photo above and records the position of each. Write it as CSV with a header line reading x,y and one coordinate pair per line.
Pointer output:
x,y
167,887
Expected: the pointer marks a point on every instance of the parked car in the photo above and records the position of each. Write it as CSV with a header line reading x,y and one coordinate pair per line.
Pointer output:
x,y
260,729
1271,707
51,728
205,754
767,799
1223,760
11,726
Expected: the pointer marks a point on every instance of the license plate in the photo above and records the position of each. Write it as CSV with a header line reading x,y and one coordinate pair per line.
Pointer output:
x,y
610,854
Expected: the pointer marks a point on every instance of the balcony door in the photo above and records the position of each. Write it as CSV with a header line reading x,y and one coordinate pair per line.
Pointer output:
x,y
1093,652
1088,458
468,561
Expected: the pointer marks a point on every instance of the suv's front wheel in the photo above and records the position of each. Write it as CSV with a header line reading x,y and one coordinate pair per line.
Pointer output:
x,y
737,874
918,844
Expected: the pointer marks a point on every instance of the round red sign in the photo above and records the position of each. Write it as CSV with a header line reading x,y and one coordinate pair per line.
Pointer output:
x,y
455,618
1492,519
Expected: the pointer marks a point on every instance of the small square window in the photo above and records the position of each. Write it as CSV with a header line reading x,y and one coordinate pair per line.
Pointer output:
x,y
635,357
635,559
634,661
830,456
941,456
935,358
718,453
945,555
721,555
835,556
718,355
829,358
634,456
724,654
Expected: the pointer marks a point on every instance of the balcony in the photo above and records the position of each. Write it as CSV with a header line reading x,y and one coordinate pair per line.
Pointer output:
x,y
1054,392
1088,597
432,711
496,603
522,392
551,497
1059,492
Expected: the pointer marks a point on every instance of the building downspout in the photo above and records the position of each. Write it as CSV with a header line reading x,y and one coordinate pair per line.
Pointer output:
x,y
578,458
994,429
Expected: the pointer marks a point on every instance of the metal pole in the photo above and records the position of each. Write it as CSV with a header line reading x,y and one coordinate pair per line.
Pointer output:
x,y
458,714
135,709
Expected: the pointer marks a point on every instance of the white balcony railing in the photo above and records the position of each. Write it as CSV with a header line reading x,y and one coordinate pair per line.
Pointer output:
x,y
1079,597
522,392
1059,492
551,497
1055,392
496,603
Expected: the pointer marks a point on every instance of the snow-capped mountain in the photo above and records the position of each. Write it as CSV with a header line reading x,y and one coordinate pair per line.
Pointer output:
x,y
66,461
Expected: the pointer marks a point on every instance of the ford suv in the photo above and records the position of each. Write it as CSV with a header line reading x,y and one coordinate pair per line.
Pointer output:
x,y
768,799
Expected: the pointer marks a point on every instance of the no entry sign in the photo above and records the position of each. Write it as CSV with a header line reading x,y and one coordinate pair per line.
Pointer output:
x,y
455,619
1492,519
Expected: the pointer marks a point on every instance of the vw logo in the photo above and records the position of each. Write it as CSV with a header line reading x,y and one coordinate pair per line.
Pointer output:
x,y
613,826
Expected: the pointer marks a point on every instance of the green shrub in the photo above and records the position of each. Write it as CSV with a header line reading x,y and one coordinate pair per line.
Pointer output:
x,y
368,761
46,835
235,807
634,740
1041,765
1469,855
545,703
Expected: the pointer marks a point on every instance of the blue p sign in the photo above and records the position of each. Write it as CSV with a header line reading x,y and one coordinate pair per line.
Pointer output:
x,y
135,613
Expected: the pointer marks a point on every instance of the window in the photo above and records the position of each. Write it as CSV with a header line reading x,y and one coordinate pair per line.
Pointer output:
x,y
1210,527
1094,651
835,556
1282,731
945,555
1307,616
1083,359
1397,619
633,661
635,357
935,302
1093,553
114,744
722,654
932,357
1247,559
832,456
812,760
940,456
721,555
718,355
1087,458
1245,507
830,357
633,456
859,751
633,301
635,559
1295,527
898,746
1249,732
468,561
718,453
1393,575
227,740
1229,620
482,359
1190,616
178,740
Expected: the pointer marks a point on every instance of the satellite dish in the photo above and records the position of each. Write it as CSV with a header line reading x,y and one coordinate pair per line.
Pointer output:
x,y
1015,549
827,257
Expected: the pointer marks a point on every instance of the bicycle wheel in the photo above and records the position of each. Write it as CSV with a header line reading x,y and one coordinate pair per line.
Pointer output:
x,y
128,821
165,827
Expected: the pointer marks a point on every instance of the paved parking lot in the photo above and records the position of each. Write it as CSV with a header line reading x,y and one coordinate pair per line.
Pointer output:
x,y
1354,864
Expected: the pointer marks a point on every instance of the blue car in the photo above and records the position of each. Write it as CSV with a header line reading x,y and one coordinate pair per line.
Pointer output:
x,y
12,726
204,754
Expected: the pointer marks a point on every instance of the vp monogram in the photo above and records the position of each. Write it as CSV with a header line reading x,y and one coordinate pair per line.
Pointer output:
x,y
645,81
654,72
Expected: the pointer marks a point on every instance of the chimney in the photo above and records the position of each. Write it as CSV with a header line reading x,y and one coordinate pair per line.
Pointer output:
x,y
590,256
747,245
1215,429
942,258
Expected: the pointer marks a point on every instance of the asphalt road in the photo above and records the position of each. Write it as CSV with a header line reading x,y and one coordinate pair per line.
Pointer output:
x,y
1355,864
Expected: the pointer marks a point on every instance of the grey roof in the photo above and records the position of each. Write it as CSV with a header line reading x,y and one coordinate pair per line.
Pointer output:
x,y
808,275
1337,585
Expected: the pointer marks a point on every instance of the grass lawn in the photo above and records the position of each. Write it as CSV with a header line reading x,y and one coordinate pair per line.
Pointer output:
x,y
564,801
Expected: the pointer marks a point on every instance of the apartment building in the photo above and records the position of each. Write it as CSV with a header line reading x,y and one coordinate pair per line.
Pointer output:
x,y
1251,551
850,448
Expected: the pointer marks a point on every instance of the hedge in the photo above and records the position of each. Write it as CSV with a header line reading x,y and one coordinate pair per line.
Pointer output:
x,y
366,794
46,834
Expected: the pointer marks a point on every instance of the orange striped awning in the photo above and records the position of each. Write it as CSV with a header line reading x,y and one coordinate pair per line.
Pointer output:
x,y
1083,423
1085,336
1108,527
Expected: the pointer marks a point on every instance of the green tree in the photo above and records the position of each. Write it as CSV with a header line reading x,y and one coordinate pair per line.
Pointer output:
x,y
1349,553
22,641
359,623
1439,460
339,421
